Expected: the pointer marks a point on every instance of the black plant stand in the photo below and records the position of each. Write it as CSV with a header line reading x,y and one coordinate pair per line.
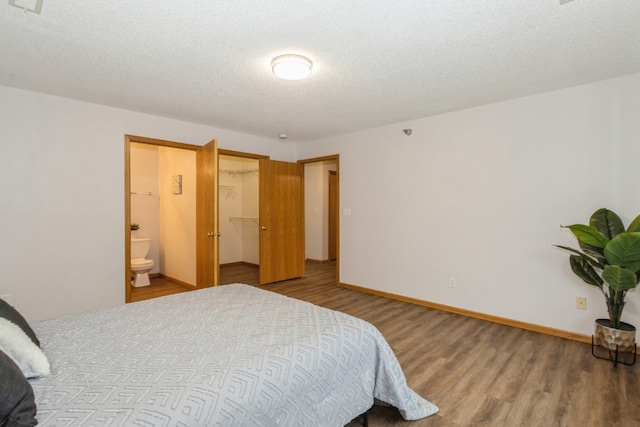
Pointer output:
x,y
613,355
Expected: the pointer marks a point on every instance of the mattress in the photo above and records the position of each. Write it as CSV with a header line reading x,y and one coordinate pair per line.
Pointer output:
x,y
232,355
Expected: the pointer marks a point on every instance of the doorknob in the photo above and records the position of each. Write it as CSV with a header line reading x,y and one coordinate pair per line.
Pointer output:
x,y
212,234
263,228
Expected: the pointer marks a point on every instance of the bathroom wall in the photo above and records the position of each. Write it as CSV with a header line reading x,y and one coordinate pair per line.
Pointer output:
x,y
145,197
177,214
167,218
238,199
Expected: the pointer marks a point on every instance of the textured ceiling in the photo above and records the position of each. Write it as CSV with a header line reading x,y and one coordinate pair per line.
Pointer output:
x,y
376,62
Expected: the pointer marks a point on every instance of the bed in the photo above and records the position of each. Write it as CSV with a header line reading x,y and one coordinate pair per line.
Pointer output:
x,y
233,355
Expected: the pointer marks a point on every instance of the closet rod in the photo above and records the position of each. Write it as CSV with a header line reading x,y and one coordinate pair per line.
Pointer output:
x,y
238,171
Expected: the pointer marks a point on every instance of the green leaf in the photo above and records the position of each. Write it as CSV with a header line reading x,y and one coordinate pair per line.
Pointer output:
x,y
585,271
592,251
607,223
624,251
635,225
588,234
618,278
593,262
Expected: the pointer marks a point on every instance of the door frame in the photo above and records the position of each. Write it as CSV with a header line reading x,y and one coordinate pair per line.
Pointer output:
x,y
128,139
335,158
232,153
334,214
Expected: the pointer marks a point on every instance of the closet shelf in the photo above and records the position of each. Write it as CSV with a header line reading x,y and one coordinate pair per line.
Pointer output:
x,y
244,218
239,171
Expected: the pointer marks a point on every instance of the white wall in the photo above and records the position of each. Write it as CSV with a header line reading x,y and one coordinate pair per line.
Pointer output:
x,y
229,205
62,217
250,208
480,194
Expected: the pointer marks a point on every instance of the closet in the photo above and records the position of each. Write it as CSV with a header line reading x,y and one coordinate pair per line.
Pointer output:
x,y
238,205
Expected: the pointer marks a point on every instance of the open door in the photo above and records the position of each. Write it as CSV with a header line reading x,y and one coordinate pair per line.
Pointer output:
x,y
281,221
207,256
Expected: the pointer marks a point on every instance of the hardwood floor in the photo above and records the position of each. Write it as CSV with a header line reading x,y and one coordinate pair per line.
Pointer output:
x,y
478,373
159,287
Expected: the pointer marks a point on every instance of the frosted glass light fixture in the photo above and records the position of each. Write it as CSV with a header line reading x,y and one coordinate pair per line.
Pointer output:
x,y
291,67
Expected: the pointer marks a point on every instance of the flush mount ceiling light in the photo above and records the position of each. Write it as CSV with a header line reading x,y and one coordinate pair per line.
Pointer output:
x,y
291,67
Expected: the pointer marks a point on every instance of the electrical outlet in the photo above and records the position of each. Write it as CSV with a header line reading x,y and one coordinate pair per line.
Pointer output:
x,y
581,303
452,282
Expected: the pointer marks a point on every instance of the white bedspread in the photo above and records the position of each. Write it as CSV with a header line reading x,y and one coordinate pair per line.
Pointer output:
x,y
233,355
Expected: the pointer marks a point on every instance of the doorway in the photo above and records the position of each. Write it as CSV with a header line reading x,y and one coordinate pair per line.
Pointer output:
x,y
275,223
238,211
322,210
194,199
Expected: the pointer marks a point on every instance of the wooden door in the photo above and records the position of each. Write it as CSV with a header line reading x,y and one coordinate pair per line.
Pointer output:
x,y
333,216
281,193
207,242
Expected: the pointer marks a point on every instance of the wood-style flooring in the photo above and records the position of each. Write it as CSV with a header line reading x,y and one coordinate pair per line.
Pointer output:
x,y
479,373
159,287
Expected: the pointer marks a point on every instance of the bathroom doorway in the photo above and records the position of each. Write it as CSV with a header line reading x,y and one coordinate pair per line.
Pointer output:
x,y
180,180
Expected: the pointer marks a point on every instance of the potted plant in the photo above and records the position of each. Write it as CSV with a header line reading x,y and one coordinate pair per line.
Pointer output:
x,y
609,260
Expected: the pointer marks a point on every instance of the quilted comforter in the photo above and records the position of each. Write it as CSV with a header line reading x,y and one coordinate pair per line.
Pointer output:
x,y
233,355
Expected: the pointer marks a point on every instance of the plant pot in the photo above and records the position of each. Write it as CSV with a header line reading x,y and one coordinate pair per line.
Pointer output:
x,y
610,338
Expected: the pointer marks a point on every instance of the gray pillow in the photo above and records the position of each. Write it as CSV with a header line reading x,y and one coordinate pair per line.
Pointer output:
x,y
17,404
11,314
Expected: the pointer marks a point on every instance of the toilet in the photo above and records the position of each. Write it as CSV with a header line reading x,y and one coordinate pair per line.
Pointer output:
x,y
140,266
